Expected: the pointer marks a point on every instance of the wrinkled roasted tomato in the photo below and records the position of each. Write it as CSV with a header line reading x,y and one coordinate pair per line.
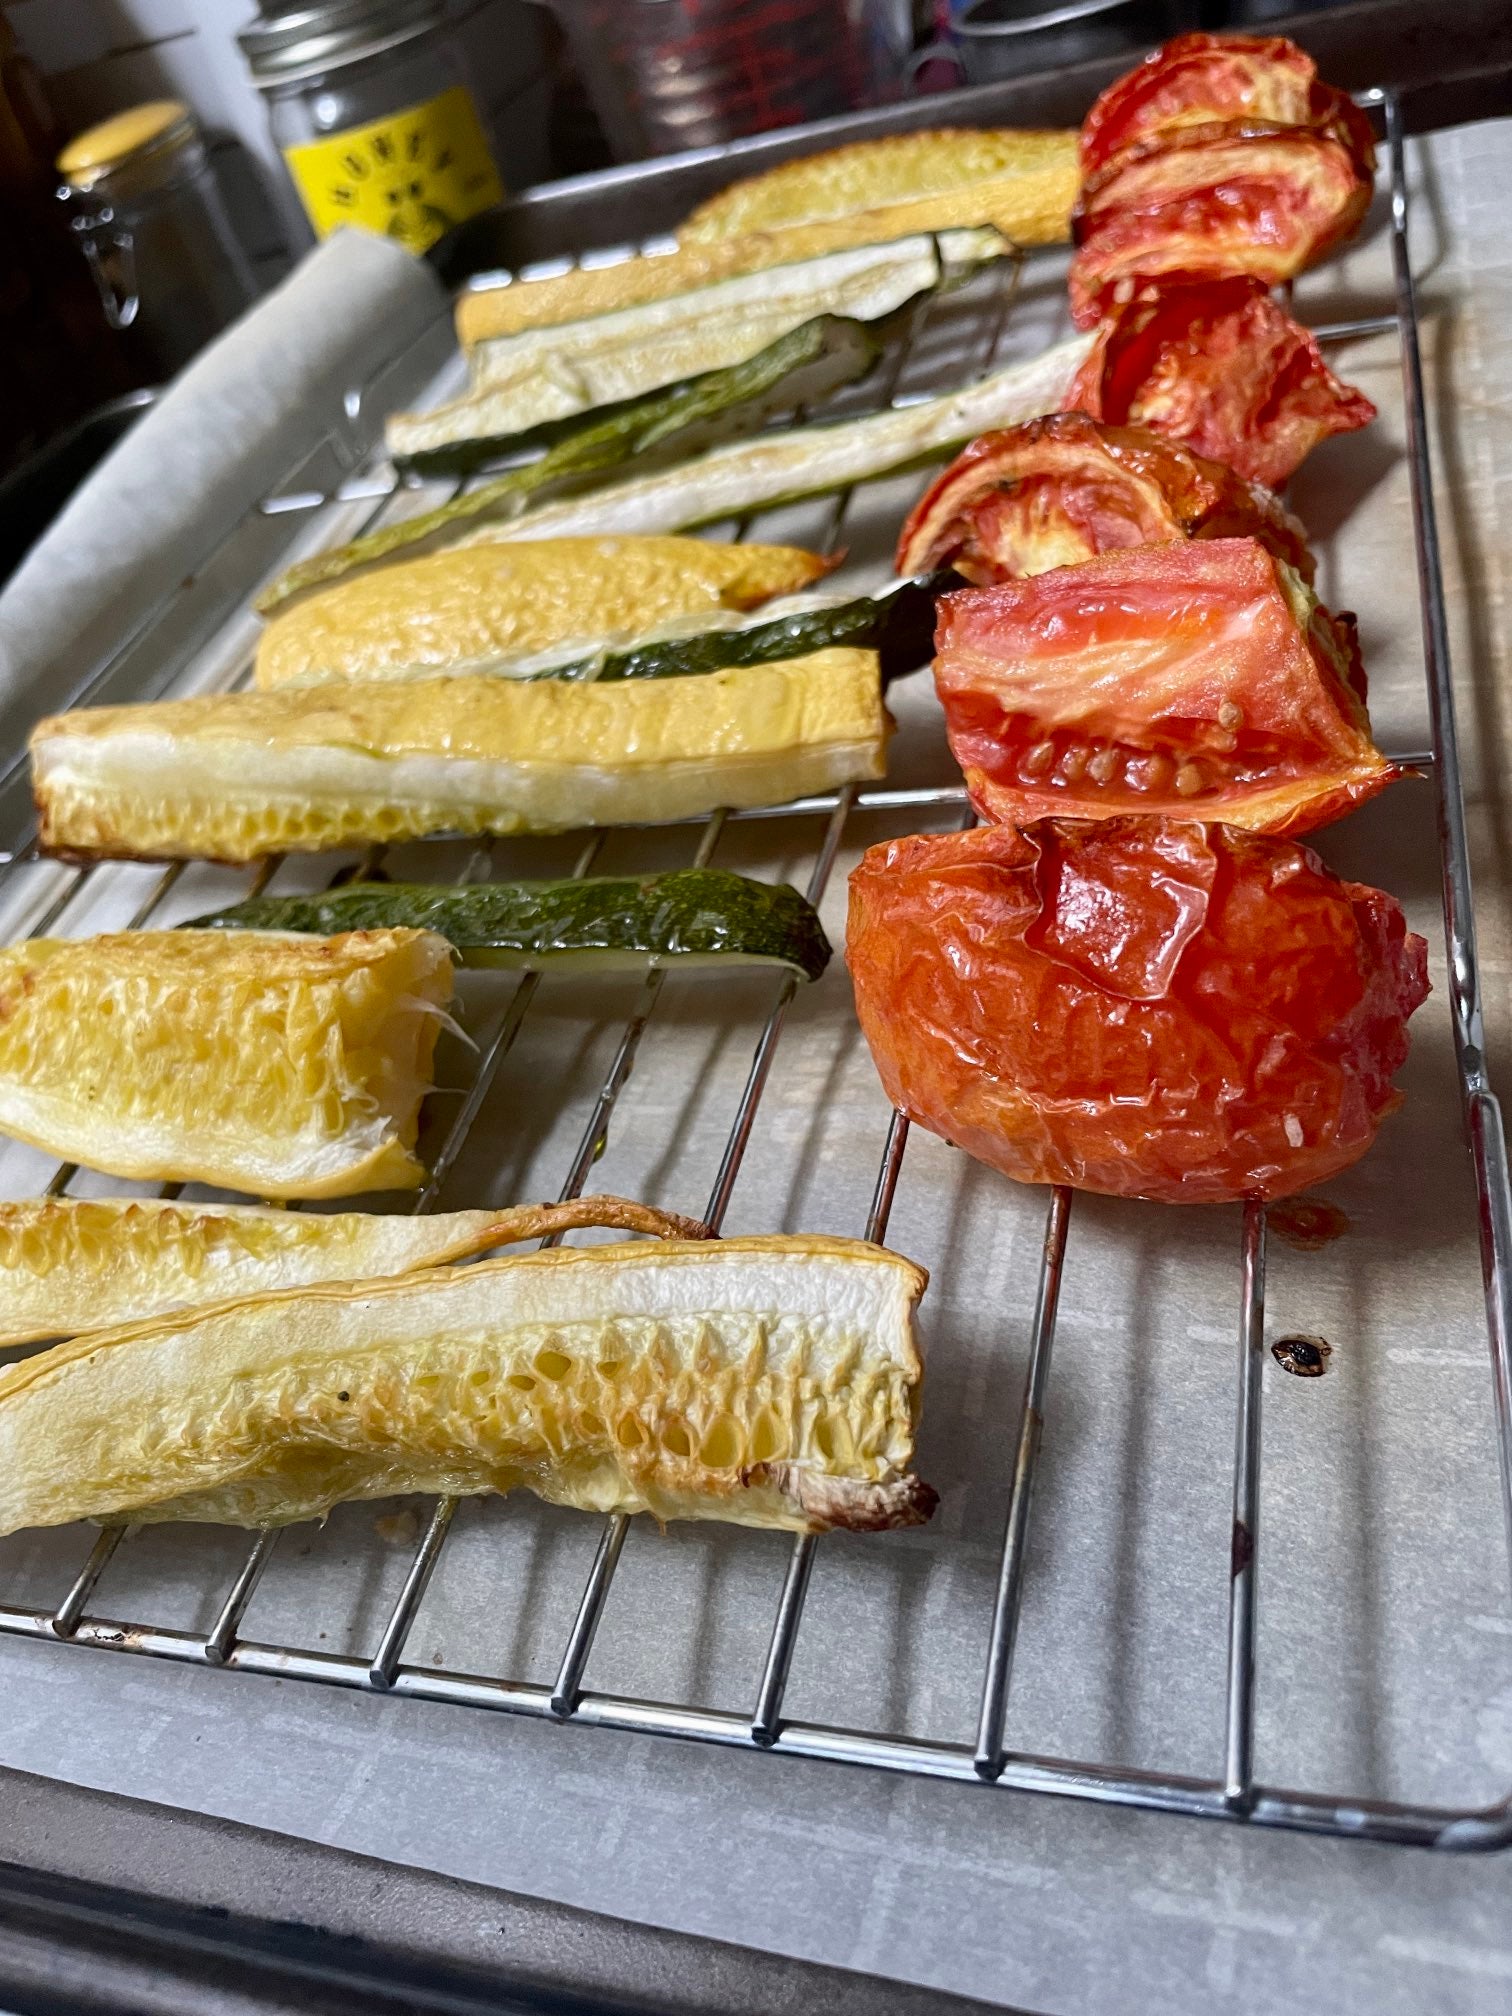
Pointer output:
x,y
1223,202
1143,1007
1199,80
1201,680
1222,368
1057,491
1219,156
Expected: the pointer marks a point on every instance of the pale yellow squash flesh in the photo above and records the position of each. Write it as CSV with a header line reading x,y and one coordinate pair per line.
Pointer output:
x,y
266,1062
1035,175
238,776
465,608
70,1265
769,1382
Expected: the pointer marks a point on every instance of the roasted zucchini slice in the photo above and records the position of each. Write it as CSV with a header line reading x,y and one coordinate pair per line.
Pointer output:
x,y
279,1065
1024,182
233,777
70,1265
804,365
897,623
472,609
687,918
528,387
782,466
504,306
769,1382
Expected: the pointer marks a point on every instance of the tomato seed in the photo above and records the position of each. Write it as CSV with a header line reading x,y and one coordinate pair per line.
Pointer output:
x,y
1150,773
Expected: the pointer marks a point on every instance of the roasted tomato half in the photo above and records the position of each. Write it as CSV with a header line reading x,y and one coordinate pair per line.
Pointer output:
x,y
1057,491
1222,202
1199,80
1202,680
1143,1007
1222,368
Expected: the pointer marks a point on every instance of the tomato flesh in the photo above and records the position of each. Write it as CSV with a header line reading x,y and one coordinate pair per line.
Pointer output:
x,y
1220,367
1056,491
1142,1007
1200,680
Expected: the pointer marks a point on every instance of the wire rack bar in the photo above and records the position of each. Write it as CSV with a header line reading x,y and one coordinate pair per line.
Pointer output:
x,y
569,1680
990,1756
396,1631
65,1619
1378,1820
222,1634
1483,1115
771,1035
1239,1731
766,1718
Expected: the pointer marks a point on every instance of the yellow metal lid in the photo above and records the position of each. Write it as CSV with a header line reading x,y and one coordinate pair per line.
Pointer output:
x,y
162,123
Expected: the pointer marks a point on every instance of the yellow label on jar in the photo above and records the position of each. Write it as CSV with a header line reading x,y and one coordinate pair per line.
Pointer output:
x,y
411,176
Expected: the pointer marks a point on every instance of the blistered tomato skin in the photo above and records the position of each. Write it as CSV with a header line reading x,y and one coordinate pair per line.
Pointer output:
x,y
1219,156
1057,491
1219,366
1200,79
1140,1007
1200,680
1263,202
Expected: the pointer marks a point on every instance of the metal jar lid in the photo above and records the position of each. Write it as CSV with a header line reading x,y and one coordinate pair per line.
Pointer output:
x,y
290,45
136,150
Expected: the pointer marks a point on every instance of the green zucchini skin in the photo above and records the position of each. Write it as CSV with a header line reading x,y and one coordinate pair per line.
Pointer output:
x,y
952,267
701,916
898,625
807,363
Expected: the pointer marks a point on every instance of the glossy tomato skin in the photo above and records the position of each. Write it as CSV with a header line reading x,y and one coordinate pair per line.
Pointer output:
x,y
1219,366
1056,491
1140,1007
1201,680
1202,79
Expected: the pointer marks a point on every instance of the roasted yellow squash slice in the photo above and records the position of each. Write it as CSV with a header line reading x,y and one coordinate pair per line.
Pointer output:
x,y
771,1382
70,1264
1023,182
1026,189
259,1061
466,608
241,775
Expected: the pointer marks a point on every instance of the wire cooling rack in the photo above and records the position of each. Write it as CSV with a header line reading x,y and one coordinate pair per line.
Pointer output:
x,y
1233,1793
